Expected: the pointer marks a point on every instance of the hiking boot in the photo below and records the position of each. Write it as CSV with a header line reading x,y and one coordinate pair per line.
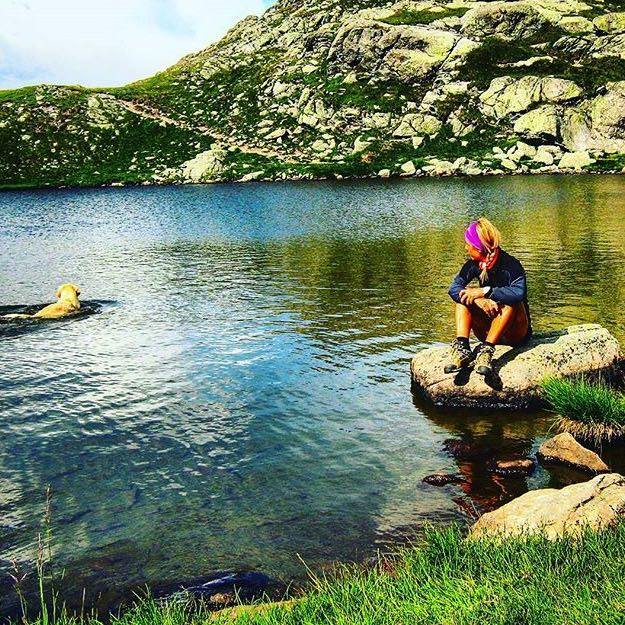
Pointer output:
x,y
460,355
484,359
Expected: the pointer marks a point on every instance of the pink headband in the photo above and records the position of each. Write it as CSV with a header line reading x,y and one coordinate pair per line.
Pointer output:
x,y
472,237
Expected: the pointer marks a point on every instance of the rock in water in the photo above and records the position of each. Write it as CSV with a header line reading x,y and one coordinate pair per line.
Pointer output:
x,y
582,349
595,504
442,479
564,449
512,468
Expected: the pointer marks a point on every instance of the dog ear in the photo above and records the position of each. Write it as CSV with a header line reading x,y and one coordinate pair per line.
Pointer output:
x,y
77,288
58,293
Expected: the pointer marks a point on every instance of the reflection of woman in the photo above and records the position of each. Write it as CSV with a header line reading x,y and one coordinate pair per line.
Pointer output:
x,y
497,309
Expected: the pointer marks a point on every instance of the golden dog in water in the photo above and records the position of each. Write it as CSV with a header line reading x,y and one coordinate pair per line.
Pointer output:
x,y
68,303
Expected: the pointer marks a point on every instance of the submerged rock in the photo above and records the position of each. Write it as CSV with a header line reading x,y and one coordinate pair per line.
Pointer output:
x,y
564,449
464,450
582,349
595,504
512,468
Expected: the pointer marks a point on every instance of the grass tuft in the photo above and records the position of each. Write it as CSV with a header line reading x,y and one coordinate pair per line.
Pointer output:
x,y
589,410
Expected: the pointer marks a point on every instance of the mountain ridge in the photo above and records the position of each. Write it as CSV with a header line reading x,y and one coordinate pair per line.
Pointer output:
x,y
331,88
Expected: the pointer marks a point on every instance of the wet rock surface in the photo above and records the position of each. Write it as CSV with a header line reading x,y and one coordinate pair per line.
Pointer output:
x,y
442,479
587,349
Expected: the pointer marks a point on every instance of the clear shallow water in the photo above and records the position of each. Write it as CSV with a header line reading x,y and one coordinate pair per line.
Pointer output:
x,y
241,397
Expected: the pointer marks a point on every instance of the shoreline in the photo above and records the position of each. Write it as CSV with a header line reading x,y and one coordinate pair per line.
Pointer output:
x,y
333,178
444,578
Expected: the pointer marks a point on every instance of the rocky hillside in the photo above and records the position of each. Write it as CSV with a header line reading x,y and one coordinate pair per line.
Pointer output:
x,y
340,88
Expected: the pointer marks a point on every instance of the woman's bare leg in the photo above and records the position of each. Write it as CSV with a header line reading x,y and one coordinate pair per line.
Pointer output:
x,y
510,326
463,321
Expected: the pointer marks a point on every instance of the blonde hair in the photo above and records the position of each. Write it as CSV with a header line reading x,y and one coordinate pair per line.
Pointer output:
x,y
490,237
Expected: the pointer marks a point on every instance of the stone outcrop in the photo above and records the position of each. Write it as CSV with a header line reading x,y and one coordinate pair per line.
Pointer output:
x,y
507,94
540,123
201,167
595,504
564,449
420,124
597,124
587,349
406,52
508,20
610,22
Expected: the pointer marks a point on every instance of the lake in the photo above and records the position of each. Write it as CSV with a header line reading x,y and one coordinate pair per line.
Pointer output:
x,y
240,397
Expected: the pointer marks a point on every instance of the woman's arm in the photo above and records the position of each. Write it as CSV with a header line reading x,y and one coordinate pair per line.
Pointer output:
x,y
460,281
515,292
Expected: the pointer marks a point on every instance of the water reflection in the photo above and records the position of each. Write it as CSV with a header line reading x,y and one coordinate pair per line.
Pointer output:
x,y
247,398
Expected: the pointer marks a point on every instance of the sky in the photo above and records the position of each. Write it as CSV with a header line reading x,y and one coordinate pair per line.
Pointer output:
x,y
107,42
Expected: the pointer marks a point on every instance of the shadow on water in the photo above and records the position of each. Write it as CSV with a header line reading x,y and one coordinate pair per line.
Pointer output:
x,y
17,327
476,439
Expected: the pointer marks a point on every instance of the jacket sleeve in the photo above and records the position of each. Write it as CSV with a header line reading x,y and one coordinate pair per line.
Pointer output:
x,y
515,292
460,281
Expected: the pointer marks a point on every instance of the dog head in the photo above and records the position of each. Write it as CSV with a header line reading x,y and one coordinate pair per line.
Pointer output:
x,y
68,291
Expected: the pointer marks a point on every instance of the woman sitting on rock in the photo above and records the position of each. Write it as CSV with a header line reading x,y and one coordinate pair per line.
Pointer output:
x,y
497,309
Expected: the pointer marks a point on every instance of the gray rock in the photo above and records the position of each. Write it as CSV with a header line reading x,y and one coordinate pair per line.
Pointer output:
x,y
583,349
610,22
417,124
595,504
597,124
508,20
542,122
402,51
507,95
575,160
408,168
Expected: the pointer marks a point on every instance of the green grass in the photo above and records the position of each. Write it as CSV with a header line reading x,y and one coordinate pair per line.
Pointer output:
x,y
590,410
444,579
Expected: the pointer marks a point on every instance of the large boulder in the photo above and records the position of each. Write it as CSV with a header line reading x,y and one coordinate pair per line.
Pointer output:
x,y
595,504
506,94
564,449
406,52
540,123
610,22
575,160
417,124
507,20
597,124
587,349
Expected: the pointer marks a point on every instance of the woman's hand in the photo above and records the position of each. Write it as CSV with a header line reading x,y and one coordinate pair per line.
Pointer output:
x,y
468,296
488,306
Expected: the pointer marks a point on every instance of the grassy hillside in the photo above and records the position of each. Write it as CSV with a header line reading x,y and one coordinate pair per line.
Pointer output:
x,y
336,88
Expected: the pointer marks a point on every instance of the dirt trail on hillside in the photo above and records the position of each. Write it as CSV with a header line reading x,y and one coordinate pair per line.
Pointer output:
x,y
150,112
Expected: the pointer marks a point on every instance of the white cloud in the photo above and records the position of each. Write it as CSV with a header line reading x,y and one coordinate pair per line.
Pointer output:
x,y
107,42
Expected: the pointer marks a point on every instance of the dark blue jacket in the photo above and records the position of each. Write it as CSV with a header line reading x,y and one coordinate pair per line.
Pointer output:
x,y
507,279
